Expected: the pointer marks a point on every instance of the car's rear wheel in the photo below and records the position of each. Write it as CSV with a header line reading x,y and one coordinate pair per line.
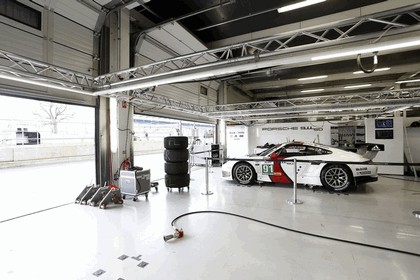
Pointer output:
x,y
244,173
336,177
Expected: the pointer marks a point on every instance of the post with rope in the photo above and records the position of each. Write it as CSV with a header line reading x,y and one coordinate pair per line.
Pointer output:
x,y
294,200
206,159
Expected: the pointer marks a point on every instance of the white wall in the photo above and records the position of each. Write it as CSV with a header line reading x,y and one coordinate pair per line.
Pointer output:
x,y
237,141
394,148
276,133
60,41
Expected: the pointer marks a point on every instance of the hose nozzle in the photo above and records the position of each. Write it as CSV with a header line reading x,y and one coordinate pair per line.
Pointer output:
x,y
177,234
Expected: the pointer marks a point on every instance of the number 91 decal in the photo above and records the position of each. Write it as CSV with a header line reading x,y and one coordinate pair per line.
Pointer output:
x,y
267,169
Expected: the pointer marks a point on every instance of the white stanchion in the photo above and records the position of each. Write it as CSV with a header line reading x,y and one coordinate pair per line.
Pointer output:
x,y
207,178
294,200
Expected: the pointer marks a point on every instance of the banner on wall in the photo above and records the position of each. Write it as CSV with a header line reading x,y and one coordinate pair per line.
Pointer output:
x,y
276,133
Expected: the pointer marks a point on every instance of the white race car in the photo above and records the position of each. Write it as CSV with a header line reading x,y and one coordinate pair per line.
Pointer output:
x,y
333,168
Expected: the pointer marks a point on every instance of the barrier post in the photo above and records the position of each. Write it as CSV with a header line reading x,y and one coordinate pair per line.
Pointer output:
x,y
207,177
294,200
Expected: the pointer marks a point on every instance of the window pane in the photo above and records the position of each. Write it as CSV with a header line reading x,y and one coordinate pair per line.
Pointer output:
x,y
149,133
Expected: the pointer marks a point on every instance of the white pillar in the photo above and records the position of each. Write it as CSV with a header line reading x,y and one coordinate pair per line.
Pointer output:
x,y
121,112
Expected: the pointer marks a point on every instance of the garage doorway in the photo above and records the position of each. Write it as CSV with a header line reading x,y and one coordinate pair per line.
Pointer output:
x,y
149,133
47,154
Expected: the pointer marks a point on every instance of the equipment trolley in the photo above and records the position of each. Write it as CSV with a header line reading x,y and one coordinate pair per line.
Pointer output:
x,y
135,182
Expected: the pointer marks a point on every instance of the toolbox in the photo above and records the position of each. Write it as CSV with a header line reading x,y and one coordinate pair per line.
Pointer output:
x,y
134,183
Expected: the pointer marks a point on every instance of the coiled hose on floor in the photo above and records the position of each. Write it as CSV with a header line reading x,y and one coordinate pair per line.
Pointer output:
x,y
291,230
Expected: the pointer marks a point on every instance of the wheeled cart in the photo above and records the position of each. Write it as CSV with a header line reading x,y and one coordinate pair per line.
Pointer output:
x,y
134,183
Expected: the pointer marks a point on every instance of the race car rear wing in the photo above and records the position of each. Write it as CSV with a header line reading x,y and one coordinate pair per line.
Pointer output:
x,y
369,150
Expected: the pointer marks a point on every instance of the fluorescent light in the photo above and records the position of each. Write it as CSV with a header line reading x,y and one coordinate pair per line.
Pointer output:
x,y
397,109
113,124
313,78
312,90
298,5
408,81
358,86
378,48
376,70
44,84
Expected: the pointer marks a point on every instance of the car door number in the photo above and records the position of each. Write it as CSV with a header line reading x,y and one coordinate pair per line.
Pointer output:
x,y
267,169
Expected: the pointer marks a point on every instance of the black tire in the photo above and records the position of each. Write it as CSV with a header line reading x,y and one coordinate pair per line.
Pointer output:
x,y
177,181
174,168
176,155
336,177
175,142
244,173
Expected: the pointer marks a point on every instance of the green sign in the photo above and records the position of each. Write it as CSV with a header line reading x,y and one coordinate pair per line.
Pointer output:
x,y
267,169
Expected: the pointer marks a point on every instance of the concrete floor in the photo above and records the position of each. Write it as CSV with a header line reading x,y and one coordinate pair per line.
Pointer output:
x,y
75,241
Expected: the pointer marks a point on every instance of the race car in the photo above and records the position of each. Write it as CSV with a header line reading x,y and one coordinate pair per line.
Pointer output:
x,y
320,165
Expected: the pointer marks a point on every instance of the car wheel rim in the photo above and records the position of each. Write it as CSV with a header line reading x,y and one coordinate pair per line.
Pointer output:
x,y
336,177
243,173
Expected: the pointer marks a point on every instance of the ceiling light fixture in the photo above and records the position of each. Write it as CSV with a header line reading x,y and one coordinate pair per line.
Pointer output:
x,y
41,83
376,70
298,5
312,90
379,47
313,78
408,81
357,86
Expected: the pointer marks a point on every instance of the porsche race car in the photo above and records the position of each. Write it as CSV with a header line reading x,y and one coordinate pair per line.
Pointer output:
x,y
317,165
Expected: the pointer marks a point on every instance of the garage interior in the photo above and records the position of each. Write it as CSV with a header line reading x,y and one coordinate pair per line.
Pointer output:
x,y
230,74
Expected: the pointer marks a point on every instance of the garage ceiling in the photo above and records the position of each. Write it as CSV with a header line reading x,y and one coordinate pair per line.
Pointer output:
x,y
218,23
264,55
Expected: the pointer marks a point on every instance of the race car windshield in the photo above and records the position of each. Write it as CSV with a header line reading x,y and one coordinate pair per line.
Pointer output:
x,y
268,151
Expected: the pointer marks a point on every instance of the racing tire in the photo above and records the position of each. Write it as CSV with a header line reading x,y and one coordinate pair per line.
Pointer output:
x,y
244,173
336,177
174,168
175,142
176,155
177,181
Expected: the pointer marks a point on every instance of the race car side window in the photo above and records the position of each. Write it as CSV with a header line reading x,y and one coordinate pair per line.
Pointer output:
x,y
315,151
292,150
301,150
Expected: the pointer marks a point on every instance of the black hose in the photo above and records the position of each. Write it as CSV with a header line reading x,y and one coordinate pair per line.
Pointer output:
x,y
295,231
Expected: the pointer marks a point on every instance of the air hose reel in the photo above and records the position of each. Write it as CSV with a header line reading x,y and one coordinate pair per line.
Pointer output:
x,y
375,63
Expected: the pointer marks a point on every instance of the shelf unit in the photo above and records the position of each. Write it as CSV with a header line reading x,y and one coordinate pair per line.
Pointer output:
x,y
347,136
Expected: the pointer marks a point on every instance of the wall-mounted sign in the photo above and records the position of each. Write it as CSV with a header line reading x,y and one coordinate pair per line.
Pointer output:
x,y
282,128
384,134
384,123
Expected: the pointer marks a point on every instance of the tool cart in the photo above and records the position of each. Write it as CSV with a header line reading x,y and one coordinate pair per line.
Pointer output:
x,y
135,182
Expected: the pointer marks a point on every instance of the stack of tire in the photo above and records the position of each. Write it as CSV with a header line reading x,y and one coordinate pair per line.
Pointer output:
x,y
176,157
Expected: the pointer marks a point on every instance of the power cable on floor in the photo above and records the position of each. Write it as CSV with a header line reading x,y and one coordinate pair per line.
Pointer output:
x,y
36,212
292,230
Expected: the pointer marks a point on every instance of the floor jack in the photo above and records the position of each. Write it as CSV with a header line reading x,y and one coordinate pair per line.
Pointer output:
x,y
113,195
106,195
86,194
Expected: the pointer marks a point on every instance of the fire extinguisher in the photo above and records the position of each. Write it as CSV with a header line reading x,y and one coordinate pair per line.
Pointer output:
x,y
126,164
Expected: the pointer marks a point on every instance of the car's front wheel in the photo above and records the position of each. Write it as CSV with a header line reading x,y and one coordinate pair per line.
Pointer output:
x,y
244,173
336,177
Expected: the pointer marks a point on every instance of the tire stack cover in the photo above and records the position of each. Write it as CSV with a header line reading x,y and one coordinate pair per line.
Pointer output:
x,y
176,157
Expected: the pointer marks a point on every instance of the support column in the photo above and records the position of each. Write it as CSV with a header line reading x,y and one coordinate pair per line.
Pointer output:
x,y
121,112
221,124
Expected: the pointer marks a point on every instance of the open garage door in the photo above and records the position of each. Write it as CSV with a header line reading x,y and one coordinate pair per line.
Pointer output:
x,y
149,133
47,154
